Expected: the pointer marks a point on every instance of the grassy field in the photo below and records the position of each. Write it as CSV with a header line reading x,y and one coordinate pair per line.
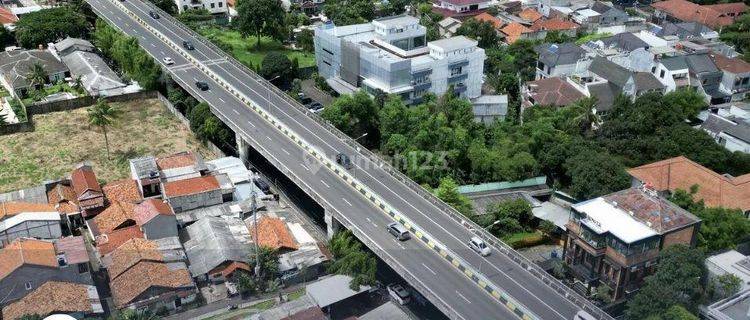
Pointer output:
x,y
244,49
63,139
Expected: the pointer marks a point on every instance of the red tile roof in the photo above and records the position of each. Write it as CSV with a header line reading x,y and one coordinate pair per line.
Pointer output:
x,y
74,249
553,92
145,276
107,243
733,65
26,251
272,233
87,188
132,252
150,208
530,15
513,31
554,24
7,17
486,17
50,298
463,2
116,216
714,16
13,208
190,186
714,189
125,190
177,160
63,197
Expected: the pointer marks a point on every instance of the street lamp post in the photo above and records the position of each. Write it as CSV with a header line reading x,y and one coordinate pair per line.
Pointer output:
x,y
354,168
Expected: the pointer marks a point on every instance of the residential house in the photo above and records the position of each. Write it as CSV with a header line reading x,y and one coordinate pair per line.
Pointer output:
x,y
273,233
559,60
609,14
549,92
215,7
95,75
145,172
27,264
123,190
673,72
615,240
685,30
460,8
149,285
87,188
392,55
71,251
586,17
7,18
62,196
28,220
730,131
542,26
732,308
514,31
108,242
156,219
55,297
736,77
714,16
217,247
181,165
730,262
702,74
489,108
486,17
632,84
118,215
448,27
16,64
203,191
530,15
716,190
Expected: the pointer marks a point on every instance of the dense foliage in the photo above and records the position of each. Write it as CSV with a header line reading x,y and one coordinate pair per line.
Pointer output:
x,y
124,51
483,31
277,65
260,18
351,259
50,25
737,34
346,12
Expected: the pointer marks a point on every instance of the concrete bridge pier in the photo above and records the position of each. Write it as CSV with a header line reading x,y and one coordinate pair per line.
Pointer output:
x,y
332,225
242,148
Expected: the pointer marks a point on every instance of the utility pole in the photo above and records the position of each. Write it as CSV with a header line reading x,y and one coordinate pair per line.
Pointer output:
x,y
255,226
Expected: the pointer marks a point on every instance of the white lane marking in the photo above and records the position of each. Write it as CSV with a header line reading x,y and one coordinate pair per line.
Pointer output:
x,y
325,184
287,152
462,297
398,242
251,124
162,53
235,111
222,100
118,18
269,138
373,223
428,269
347,202
152,44
304,166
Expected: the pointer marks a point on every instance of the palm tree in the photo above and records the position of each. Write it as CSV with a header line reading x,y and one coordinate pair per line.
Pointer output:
x,y
587,120
103,115
36,76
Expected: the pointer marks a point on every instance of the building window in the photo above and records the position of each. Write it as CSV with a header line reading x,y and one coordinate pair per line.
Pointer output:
x,y
221,4
661,74
653,69
213,5
28,285
419,42
83,268
456,71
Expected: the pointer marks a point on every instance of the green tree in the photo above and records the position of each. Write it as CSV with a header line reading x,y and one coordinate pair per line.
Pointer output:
x,y
103,115
595,174
557,37
514,216
49,25
725,286
124,51
676,312
246,284
677,281
269,263
736,34
346,12
448,192
355,115
351,259
259,18
482,31
167,5
276,65
31,317
688,100
305,40
36,76
193,18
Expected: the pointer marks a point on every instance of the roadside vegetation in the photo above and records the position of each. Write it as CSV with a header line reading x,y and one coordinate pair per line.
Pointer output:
x,y
63,139
125,52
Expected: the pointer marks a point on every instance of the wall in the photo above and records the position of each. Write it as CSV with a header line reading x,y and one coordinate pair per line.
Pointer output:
x,y
161,226
684,236
188,202
13,285
42,229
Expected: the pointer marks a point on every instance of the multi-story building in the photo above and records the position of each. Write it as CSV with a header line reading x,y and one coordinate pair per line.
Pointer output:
x,y
213,6
615,240
392,55
460,8
736,78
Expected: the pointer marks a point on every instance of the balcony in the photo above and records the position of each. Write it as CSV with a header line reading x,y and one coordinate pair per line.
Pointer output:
x,y
457,77
632,259
459,89
457,64
584,273
422,86
421,73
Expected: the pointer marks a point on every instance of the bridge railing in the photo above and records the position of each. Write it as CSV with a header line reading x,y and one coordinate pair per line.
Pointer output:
x,y
499,245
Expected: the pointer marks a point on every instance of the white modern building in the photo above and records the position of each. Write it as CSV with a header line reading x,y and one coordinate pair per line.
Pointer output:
x,y
213,6
392,55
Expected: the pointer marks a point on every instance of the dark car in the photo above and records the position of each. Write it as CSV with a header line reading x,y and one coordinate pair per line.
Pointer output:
x,y
262,185
201,85
153,14
188,45
344,161
313,106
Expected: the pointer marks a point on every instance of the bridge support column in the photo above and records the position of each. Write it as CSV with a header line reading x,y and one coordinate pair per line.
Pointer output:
x,y
332,225
242,148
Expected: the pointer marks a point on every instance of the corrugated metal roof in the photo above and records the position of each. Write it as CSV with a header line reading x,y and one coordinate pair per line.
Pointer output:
x,y
212,242
496,186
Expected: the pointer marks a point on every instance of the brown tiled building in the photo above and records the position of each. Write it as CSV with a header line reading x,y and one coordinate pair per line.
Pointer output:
x,y
152,285
714,16
716,190
273,233
552,91
615,240
55,297
87,188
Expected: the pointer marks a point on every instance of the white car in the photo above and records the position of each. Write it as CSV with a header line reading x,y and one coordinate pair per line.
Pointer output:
x,y
398,293
168,61
479,246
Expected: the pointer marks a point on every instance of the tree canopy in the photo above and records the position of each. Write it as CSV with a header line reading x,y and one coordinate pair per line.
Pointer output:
x,y
346,12
350,258
49,25
448,192
276,65
131,58
355,115
482,31
260,18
